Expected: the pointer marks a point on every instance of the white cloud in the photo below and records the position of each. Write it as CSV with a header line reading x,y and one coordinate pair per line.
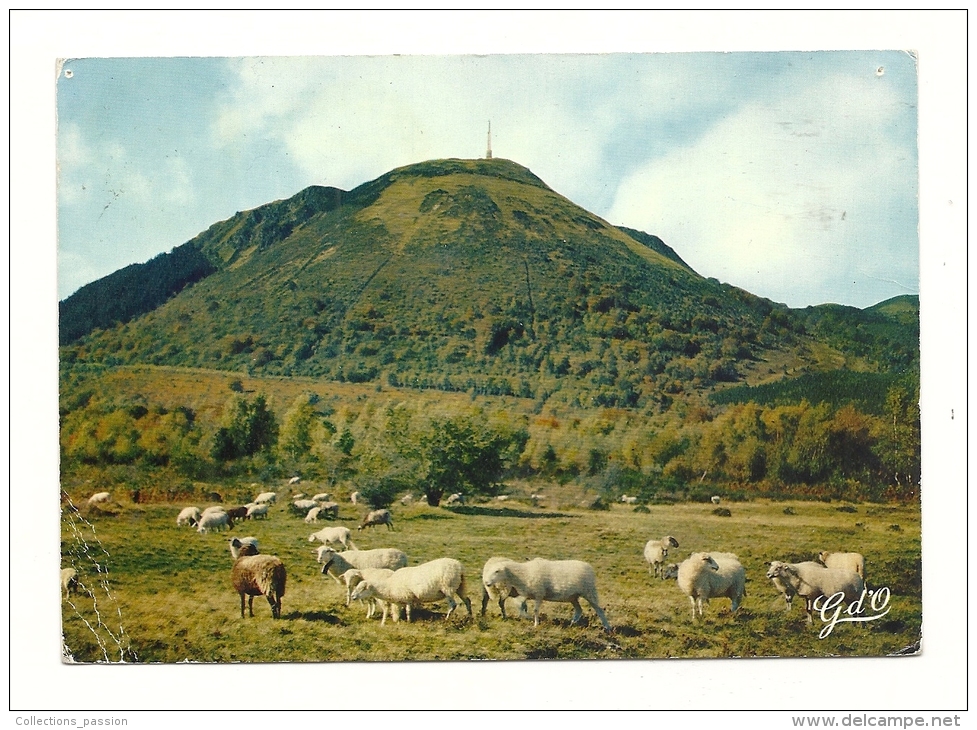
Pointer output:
x,y
786,196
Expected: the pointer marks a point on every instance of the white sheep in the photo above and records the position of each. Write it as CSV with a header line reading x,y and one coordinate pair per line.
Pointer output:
x,y
294,480
213,508
259,575
354,576
321,497
329,509
354,498
456,498
499,592
670,571
313,515
425,583
302,506
214,521
243,546
378,517
563,581
99,498
407,499
502,498
266,498
711,575
335,564
811,580
188,516
715,499
69,581
256,510
335,536
854,562
655,553
628,500
780,584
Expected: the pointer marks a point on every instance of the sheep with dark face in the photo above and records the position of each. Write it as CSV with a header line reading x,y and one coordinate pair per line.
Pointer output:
x,y
243,546
811,581
655,553
378,517
259,575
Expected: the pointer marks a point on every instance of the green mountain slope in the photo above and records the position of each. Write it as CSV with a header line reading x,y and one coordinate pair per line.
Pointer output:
x,y
465,275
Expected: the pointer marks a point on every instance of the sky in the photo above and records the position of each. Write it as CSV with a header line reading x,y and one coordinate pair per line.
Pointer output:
x,y
793,175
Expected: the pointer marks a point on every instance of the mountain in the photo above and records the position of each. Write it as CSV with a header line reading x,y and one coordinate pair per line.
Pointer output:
x,y
467,275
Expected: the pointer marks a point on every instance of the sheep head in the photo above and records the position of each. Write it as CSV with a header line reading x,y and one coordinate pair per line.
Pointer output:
x,y
669,540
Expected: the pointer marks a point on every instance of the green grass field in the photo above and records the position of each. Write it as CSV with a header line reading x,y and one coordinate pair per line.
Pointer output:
x,y
159,593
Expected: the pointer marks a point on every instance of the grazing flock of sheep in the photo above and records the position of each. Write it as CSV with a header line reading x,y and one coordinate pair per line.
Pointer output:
x,y
383,579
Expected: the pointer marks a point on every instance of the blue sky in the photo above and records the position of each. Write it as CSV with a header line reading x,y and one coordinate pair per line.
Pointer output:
x,y
790,174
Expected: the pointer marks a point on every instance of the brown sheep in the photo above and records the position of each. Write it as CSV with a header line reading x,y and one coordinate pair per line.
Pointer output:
x,y
259,575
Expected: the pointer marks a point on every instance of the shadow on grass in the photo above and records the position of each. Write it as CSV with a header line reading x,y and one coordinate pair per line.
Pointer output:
x,y
313,616
428,516
504,512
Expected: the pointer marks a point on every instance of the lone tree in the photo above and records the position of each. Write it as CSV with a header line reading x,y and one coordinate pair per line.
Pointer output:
x,y
462,457
249,427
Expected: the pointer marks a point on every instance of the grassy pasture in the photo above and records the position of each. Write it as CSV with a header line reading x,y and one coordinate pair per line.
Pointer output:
x,y
160,593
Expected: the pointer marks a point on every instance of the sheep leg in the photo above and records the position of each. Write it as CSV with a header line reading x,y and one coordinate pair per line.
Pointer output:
x,y
692,601
274,605
406,610
539,602
468,604
251,606
242,604
485,600
452,605
577,611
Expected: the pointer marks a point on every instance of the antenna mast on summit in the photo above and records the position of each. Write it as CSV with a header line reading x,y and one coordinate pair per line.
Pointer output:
x,y
488,152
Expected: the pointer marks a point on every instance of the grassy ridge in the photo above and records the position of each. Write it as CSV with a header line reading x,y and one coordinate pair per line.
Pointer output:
x,y
167,597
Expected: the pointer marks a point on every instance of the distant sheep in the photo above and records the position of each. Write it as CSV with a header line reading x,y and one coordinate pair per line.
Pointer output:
x,y
214,521
670,571
266,498
407,499
499,592
258,510
711,575
259,575
69,581
502,498
334,536
321,496
810,580
854,562
188,516
335,564
330,510
715,499
213,508
99,498
238,513
302,506
443,578
655,553
354,498
294,480
378,517
563,581
313,515
628,500
243,546
456,498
